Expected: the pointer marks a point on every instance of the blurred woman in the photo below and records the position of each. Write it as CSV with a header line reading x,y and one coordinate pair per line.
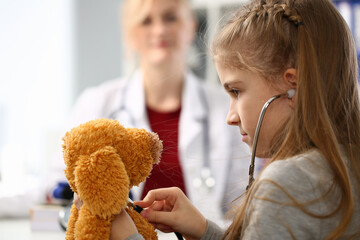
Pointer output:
x,y
202,156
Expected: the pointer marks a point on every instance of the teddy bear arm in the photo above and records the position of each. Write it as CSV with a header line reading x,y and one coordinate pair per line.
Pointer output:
x,y
102,182
70,230
142,225
92,227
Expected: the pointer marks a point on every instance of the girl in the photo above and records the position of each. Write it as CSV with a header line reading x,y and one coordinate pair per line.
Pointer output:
x,y
310,189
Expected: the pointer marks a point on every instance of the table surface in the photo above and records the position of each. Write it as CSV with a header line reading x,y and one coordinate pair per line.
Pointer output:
x,y
19,229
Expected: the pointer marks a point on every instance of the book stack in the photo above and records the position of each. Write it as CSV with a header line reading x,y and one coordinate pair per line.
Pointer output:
x,y
45,217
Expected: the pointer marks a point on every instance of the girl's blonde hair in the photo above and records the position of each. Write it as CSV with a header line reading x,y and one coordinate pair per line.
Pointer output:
x,y
269,36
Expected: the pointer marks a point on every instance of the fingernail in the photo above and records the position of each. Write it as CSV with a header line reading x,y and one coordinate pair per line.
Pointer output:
x,y
144,214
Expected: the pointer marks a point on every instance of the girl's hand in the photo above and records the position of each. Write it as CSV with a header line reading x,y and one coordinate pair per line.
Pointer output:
x,y
169,210
77,201
121,227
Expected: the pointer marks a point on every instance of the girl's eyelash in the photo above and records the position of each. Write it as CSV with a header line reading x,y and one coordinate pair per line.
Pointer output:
x,y
234,91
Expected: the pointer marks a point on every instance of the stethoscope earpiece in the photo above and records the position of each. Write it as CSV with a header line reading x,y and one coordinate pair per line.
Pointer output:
x,y
291,93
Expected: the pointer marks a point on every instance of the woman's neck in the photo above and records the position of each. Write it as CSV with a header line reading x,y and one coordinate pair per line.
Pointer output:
x,y
163,87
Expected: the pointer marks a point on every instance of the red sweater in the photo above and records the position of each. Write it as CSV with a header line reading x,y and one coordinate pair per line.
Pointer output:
x,y
168,172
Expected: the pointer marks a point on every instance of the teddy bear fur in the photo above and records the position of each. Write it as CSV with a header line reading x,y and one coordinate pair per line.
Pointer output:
x,y
103,161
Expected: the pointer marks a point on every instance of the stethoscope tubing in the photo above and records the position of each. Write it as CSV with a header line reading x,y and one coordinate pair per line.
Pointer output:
x,y
256,136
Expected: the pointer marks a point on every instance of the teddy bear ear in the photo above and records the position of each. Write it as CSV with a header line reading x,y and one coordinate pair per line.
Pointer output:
x,y
102,182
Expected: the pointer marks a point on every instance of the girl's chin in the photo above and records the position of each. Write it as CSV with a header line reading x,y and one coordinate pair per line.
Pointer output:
x,y
263,155
259,153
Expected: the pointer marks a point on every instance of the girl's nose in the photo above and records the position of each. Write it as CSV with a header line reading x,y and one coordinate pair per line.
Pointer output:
x,y
232,118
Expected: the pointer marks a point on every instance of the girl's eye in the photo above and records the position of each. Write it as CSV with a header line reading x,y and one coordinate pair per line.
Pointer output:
x,y
235,92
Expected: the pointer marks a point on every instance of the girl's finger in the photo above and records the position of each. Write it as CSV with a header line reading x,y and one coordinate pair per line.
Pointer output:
x,y
157,206
164,228
78,203
158,217
169,194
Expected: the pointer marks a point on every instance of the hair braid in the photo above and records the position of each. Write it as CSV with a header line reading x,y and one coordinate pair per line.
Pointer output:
x,y
275,9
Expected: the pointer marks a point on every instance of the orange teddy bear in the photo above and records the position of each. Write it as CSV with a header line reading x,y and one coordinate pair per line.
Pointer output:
x,y
103,161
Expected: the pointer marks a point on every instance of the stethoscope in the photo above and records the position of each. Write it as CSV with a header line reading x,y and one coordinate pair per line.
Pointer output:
x,y
290,94
205,182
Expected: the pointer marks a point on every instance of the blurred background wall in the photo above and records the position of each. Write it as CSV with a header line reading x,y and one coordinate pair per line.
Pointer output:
x,y
36,83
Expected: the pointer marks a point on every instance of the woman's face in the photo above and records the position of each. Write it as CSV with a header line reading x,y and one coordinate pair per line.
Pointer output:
x,y
248,93
165,33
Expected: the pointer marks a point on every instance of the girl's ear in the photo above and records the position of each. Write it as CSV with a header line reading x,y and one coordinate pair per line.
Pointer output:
x,y
290,80
290,77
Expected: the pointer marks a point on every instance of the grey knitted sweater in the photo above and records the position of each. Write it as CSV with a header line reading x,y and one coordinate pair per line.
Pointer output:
x,y
283,186
273,213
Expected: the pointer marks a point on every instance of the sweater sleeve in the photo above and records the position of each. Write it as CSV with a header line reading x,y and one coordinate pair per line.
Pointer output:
x,y
135,236
213,232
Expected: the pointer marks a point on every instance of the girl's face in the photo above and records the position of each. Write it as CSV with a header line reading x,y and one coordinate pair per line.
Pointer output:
x,y
165,33
248,93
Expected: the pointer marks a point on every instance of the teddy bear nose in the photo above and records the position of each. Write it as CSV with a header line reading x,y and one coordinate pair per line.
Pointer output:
x,y
156,147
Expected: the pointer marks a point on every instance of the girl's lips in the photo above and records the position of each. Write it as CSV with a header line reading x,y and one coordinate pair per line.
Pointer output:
x,y
244,137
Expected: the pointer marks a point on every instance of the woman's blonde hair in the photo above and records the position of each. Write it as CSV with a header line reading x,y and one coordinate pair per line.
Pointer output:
x,y
269,36
135,11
